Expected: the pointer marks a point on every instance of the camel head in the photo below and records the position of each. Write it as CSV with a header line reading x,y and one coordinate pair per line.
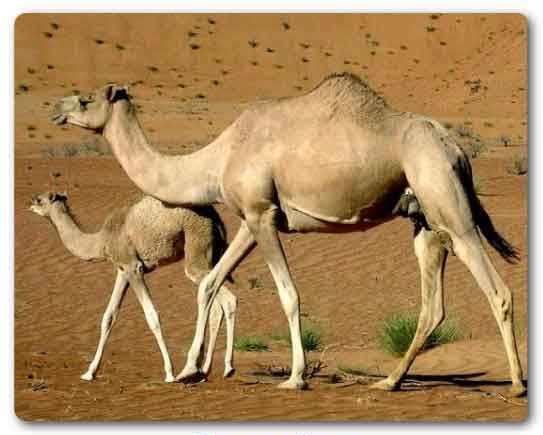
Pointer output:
x,y
42,204
91,111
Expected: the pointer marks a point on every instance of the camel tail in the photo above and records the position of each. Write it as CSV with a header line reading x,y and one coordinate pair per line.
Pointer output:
x,y
508,252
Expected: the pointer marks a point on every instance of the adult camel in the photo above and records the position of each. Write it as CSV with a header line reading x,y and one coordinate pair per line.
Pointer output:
x,y
336,159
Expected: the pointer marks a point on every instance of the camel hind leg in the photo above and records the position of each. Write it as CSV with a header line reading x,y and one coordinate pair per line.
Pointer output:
x,y
224,304
470,250
198,263
431,256
434,168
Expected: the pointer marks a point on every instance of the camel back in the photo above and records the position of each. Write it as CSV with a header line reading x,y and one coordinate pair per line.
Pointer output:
x,y
348,95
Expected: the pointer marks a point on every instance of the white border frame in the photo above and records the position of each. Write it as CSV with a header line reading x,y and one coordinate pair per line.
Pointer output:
x,y
533,9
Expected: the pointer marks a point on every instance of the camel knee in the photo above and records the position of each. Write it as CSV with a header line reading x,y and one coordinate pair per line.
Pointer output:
x,y
229,303
504,305
290,302
194,274
205,289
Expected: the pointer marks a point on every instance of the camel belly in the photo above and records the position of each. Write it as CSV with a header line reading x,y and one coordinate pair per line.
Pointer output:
x,y
341,195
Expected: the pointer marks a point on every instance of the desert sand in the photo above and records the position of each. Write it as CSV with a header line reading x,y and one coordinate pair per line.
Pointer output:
x,y
192,75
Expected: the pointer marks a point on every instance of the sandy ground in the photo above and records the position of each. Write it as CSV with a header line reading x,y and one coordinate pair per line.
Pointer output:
x,y
467,69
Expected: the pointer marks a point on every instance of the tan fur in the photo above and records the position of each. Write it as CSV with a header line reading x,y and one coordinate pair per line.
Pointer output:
x,y
335,159
143,236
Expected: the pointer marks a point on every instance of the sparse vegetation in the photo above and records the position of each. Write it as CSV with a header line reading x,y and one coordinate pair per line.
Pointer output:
x,y
251,343
399,329
471,142
477,184
474,85
39,385
477,147
90,148
311,337
312,368
505,140
254,283
359,371
518,165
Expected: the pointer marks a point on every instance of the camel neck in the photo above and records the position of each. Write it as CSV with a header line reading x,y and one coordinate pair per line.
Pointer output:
x,y
187,180
86,246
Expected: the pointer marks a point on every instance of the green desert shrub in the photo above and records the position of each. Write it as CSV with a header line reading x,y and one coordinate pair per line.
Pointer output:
x,y
399,329
251,343
477,184
518,165
90,148
311,337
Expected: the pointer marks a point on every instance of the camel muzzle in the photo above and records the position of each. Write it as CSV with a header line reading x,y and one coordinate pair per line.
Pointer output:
x,y
59,119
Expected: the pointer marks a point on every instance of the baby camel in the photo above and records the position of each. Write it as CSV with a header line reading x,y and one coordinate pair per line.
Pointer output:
x,y
137,239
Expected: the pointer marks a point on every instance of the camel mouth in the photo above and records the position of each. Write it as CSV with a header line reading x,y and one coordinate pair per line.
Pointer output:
x,y
59,119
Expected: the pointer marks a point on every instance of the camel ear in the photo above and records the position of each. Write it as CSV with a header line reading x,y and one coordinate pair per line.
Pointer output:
x,y
63,196
115,92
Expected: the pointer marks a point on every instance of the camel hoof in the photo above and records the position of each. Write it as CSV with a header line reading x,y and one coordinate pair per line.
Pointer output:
x,y
169,379
384,385
87,376
518,390
190,375
187,373
228,372
293,385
